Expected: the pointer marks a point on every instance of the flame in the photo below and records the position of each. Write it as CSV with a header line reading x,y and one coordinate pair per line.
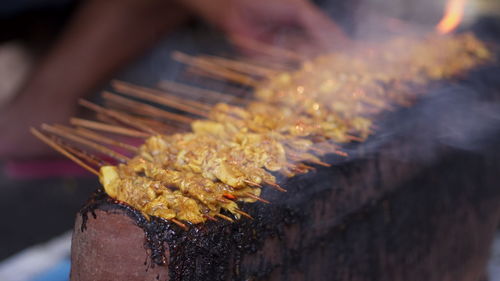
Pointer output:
x,y
453,15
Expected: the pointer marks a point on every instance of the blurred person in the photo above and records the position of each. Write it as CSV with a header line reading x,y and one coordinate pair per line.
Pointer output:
x,y
103,36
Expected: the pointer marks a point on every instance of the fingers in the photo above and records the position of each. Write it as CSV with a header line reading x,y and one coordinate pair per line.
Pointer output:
x,y
273,21
294,21
323,31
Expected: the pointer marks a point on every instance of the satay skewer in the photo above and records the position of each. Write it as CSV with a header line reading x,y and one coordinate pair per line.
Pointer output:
x,y
199,92
193,72
179,223
161,98
253,196
354,138
240,66
161,124
90,158
156,95
245,214
251,183
63,151
224,217
122,117
268,63
100,138
63,132
210,217
340,153
275,186
146,108
300,158
266,49
215,69
108,128
165,126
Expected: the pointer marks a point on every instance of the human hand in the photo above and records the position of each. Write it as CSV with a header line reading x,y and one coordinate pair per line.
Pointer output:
x,y
265,20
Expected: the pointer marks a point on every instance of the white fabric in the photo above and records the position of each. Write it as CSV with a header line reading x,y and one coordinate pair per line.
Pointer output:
x,y
29,263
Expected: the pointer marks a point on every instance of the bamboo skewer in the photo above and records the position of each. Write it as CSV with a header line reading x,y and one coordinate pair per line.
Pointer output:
x,y
162,98
253,196
251,183
215,69
223,200
353,138
63,151
192,71
275,186
146,108
319,151
108,128
90,158
242,92
340,153
100,138
157,96
317,162
307,167
302,168
199,92
107,120
267,63
145,117
164,126
297,170
68,135
244,67
224,217
130,121
179,223
263,48
210,217
327,150
297,158
245,214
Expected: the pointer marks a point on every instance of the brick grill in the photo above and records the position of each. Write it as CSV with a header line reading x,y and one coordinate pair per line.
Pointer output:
x,y
417,201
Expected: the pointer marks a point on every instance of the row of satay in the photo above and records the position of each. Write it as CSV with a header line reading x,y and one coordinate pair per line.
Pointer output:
x,y
294,119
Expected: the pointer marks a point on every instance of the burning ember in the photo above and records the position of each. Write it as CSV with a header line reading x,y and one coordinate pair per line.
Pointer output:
x,y
293,120
454,13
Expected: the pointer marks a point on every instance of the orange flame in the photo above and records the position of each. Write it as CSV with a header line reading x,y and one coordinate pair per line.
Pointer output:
x,y
452,16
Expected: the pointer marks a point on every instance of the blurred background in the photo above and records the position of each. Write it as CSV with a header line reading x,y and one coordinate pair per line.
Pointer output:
x,y
48,52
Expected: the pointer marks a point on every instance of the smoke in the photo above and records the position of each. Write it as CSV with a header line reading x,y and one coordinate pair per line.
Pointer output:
x,y
468,122
461,115
378,19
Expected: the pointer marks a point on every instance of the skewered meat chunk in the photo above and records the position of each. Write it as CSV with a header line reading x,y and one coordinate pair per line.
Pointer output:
x,y
170,194
149,196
